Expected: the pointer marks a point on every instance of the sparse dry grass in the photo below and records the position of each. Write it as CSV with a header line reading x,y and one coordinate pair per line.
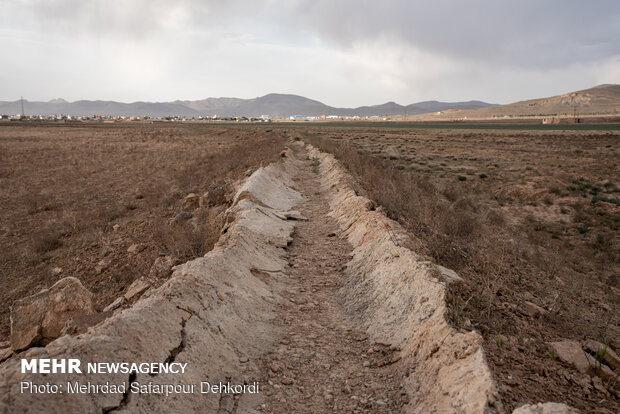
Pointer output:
x,y
64,188
522,217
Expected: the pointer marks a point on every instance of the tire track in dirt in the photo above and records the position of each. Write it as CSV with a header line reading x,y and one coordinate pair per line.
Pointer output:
x,y
323,364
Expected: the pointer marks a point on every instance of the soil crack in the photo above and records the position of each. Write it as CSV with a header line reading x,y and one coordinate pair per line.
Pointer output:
x,y
126,396
178,349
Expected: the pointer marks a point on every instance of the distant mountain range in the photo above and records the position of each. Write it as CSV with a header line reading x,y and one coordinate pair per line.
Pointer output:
x,y
275,105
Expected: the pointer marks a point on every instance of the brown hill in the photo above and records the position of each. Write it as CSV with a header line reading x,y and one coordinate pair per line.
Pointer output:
x,y
600,100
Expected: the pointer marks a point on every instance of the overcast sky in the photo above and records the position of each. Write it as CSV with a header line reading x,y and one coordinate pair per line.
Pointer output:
x,y
341,52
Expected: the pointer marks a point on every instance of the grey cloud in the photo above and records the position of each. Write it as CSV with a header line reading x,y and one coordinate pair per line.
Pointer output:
x,y
529,33
523,33
135,18
346,52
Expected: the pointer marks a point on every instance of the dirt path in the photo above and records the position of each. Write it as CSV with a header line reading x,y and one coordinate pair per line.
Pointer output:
x,y
322,364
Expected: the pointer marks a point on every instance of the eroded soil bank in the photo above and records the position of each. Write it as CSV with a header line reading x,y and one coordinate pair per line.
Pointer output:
x,y
309,291
214,313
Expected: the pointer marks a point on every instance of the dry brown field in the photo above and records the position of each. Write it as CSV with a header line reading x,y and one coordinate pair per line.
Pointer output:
x,y
522,216
75,198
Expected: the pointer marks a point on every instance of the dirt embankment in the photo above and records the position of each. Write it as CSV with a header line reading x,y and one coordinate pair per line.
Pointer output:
x,y
102,202
399,300
529,221
376,324
214,313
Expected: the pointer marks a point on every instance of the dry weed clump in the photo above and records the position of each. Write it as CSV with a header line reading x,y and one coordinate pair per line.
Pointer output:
x,y
182,241
46,240
496,218
191,238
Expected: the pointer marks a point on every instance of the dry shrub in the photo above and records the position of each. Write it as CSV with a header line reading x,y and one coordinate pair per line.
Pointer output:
x,y
36,202
581,216
556,190
188,239
445,251
213,223
466,204
46,241
496,218
31,201
460,224
157,195
453,192
181,241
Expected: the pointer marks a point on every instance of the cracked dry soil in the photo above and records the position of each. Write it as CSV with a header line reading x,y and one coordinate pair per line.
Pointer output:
x,y
322,363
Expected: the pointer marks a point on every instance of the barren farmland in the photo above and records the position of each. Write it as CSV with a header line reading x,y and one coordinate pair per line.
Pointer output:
x,y
330,274
76,198
529,219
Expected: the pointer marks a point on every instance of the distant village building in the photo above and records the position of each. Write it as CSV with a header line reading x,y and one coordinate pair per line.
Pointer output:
x,y
558,120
